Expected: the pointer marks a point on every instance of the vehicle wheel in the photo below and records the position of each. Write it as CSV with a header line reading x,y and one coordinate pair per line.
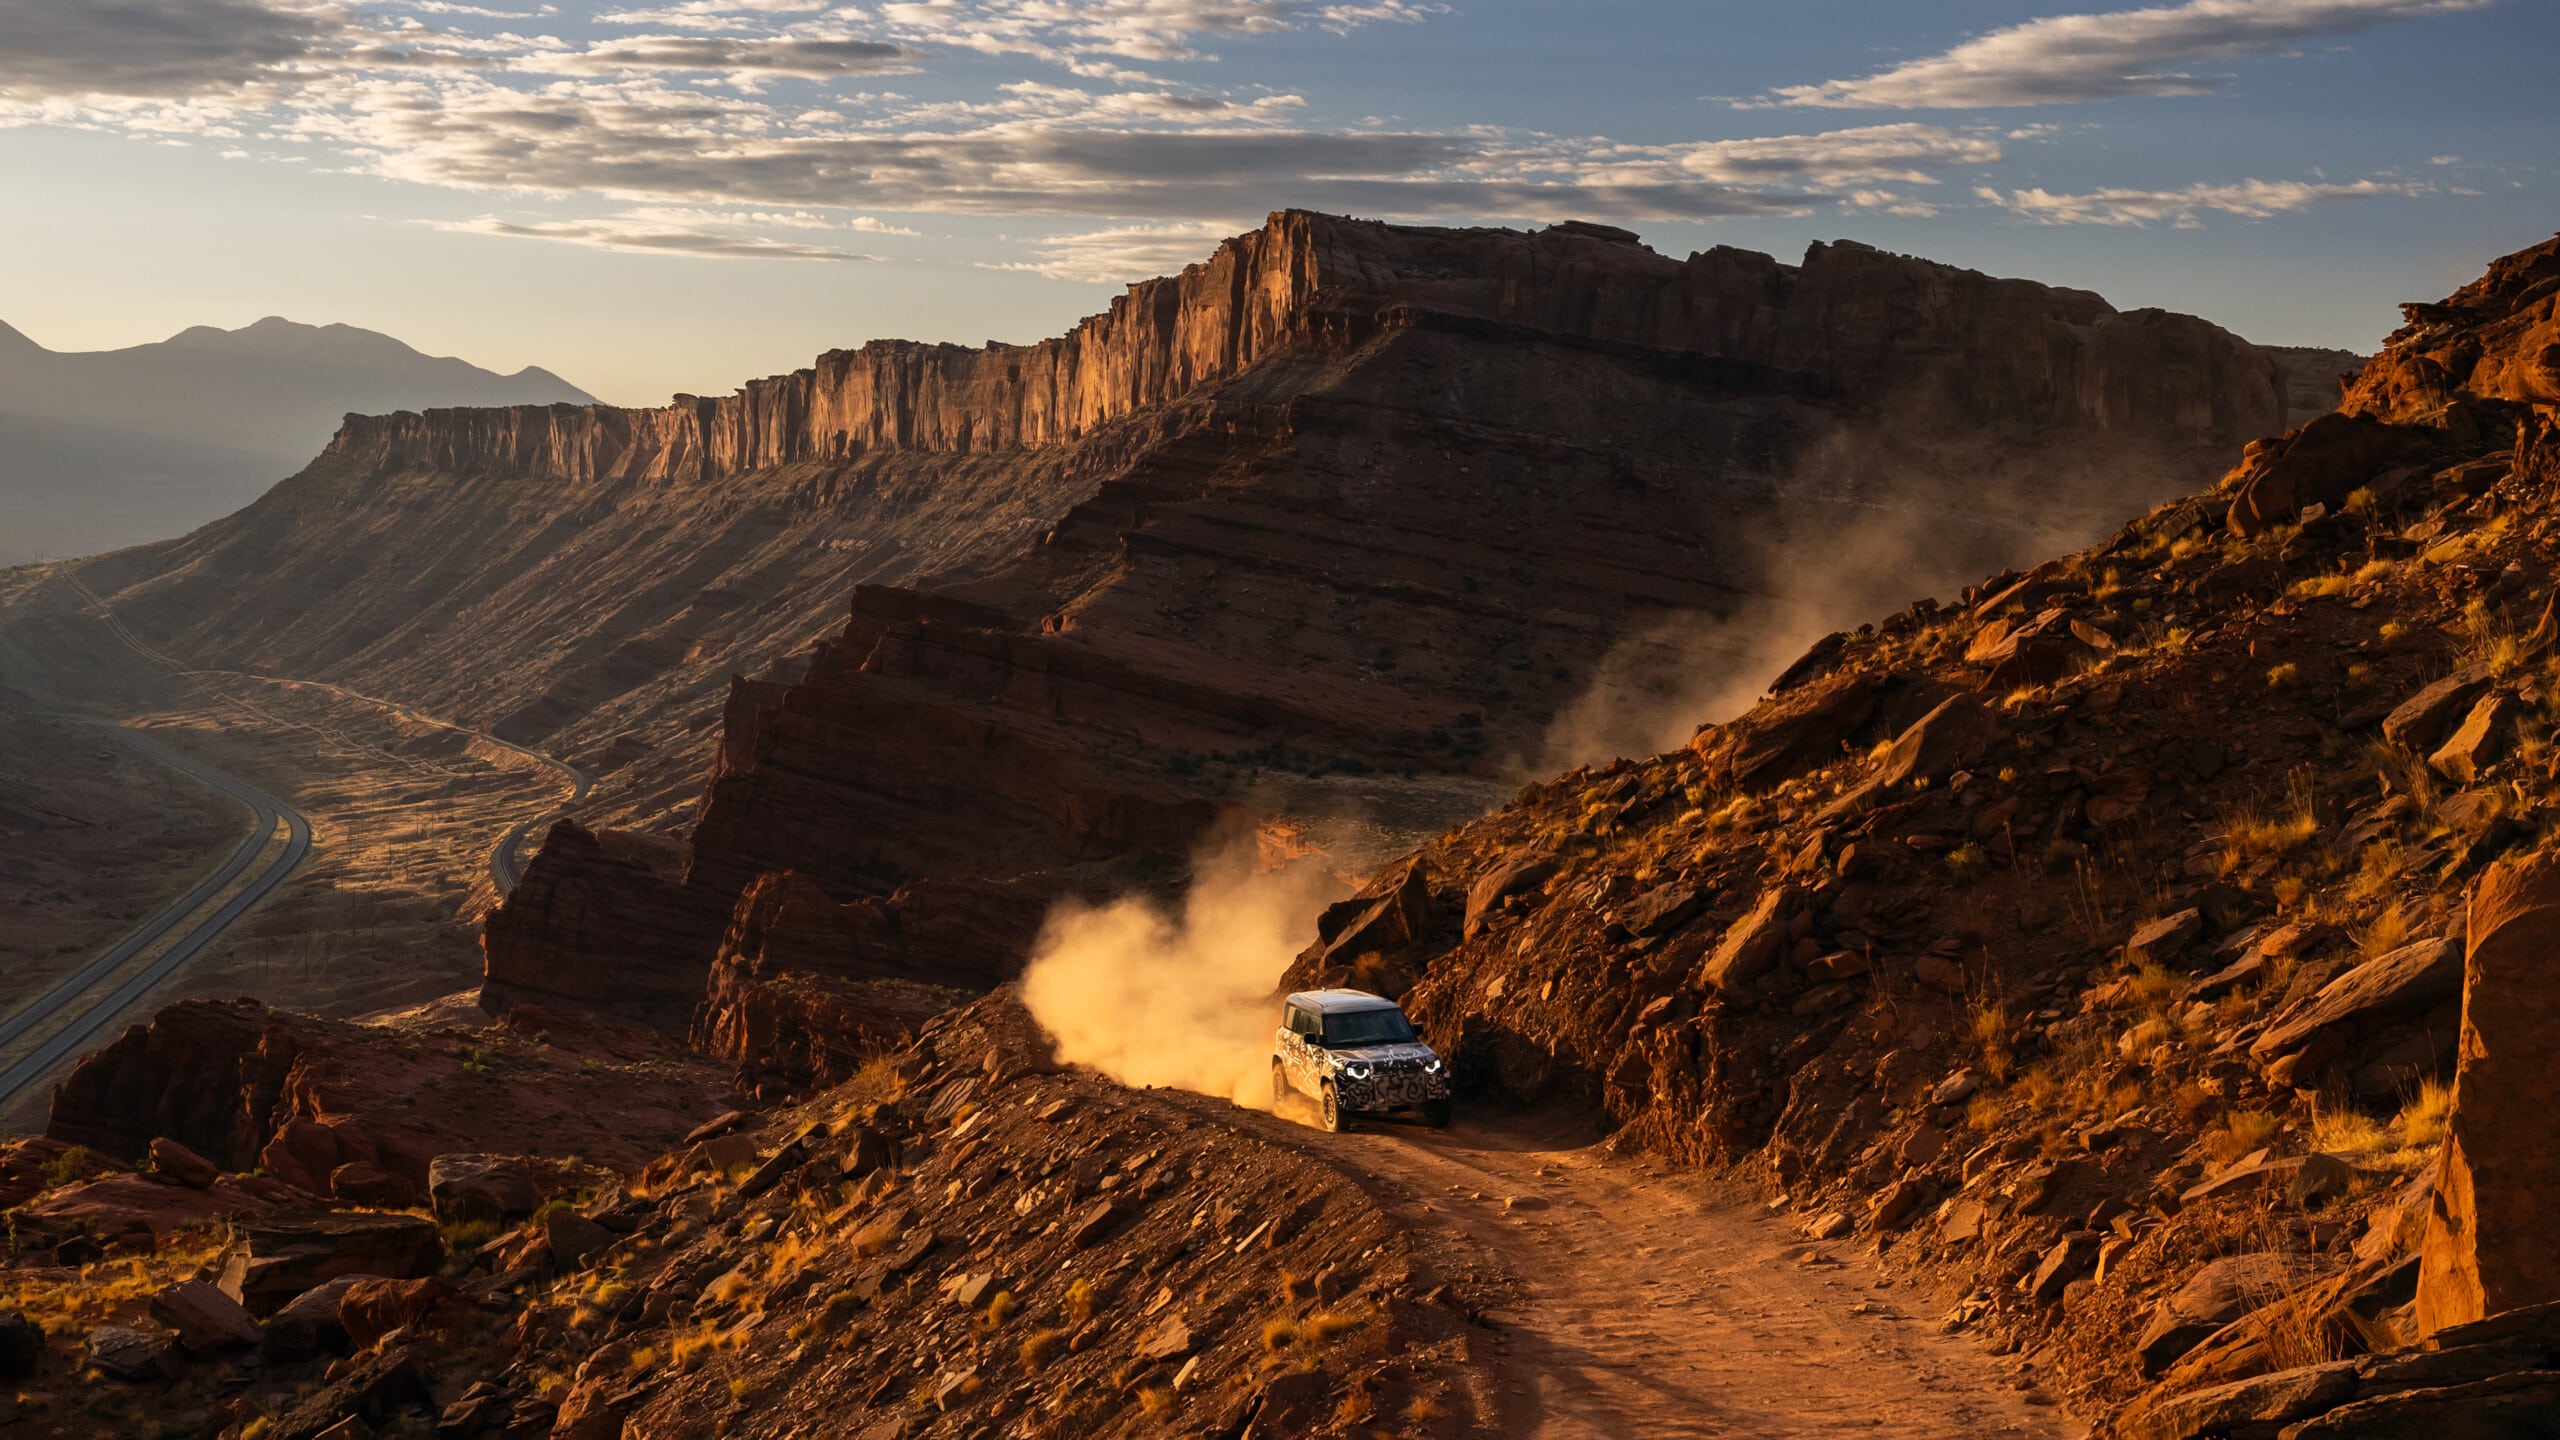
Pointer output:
x,y
1435,1113
1279,1086
1333,1118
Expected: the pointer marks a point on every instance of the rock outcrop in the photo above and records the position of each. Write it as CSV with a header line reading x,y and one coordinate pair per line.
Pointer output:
x,y
2492,1241
240,1087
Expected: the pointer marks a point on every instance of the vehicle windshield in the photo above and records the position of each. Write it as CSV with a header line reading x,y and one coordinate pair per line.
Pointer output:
x,y
1367,1027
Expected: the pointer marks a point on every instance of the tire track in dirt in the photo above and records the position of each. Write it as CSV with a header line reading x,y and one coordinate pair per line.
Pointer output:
x,y
1632,1301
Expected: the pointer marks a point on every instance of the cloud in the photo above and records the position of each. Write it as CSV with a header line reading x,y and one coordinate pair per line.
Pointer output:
x,y
2067,58
1153,30
701,236
1126,254
809,57
1907,153
2253,199
710,14
152,47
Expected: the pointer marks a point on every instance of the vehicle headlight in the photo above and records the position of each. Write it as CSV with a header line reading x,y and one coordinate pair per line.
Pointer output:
x,y
1356,1072
1432,1068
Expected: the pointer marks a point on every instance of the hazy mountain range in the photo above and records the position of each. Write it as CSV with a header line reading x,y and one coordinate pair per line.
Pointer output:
x,y
101,449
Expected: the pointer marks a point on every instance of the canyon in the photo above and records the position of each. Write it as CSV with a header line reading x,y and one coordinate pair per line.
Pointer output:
x,y
2104,995
1345,503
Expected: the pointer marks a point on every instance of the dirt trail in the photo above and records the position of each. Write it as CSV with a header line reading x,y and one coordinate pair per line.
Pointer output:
x,y
1631,1302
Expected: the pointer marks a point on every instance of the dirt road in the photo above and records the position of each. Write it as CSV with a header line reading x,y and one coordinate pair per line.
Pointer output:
x,y
1634,1303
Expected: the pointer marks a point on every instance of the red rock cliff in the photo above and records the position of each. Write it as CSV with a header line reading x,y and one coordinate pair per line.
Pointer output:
x,y
1857,319
1352,495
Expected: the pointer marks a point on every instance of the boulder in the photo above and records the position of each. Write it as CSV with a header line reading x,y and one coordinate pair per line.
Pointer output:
x,y
2261,1405
2520,1405
574,1238
182,1164
2478,742
2420,721
2321,463
1662,909
126,1353
2163,941
205,1319
372,1390
363,1182
2065,1261
1750,945
285,1257
2400,982
1954,734
308,1323
2492,1240
21,1345
1800,729
1521,872
489,1188
865,1150
2213,1297
373,1307
715,1127
1092,1223
1390,916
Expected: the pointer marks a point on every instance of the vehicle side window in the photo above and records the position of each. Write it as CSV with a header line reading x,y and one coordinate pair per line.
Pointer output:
x,y
1296,1021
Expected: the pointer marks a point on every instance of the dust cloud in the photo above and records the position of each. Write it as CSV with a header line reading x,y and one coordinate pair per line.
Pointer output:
x,y
1861,526
1181,995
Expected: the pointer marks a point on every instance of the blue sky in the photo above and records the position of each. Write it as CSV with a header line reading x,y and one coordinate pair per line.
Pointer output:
x,y
660,195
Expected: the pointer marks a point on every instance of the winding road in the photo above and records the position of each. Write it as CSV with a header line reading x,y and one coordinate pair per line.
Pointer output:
x,y
103,1010
1632,1300
503,870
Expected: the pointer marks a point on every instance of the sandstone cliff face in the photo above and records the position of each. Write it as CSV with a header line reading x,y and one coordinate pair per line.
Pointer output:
x,y
1380,499
1863,322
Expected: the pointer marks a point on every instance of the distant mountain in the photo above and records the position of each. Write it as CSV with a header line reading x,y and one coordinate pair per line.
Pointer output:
x,y
101,449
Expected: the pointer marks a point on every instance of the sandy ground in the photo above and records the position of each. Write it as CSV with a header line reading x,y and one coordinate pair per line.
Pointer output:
x,y
1634,1301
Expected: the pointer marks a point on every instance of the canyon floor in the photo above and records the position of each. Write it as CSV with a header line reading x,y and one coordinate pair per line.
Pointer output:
x,y
405,811
1633,1299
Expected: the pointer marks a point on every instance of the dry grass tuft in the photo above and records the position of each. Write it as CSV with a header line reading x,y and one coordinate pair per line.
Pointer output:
x,y
2241,1132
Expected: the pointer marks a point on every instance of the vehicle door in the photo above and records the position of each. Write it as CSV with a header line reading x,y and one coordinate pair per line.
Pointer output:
x,y
1299,1059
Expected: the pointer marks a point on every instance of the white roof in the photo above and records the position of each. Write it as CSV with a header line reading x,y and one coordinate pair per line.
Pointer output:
x,y
1336,1002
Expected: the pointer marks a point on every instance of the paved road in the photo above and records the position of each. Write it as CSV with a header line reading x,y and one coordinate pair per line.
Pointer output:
x,y
503,870
103,1010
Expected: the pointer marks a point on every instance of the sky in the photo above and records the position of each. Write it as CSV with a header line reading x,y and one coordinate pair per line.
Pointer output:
x,y
661,196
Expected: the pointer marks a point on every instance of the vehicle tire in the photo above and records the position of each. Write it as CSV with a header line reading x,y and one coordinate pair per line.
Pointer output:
x,y
1333,1117
1280,1095
1435,1113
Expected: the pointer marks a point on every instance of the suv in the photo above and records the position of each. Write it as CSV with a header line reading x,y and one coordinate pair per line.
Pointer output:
x,y
1354,1053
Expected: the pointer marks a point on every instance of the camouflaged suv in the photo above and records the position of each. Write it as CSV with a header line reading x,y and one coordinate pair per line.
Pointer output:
x,y
1354,1053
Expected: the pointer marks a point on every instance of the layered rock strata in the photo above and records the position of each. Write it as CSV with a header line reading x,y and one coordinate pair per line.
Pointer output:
x,y
1382,498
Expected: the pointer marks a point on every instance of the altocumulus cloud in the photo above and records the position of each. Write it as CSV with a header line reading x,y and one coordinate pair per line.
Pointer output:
x,y
2185,208
153,47
701,236
2067,58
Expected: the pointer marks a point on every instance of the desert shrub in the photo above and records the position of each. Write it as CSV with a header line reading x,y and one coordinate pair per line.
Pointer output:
x,y
2241,1132
1040,1347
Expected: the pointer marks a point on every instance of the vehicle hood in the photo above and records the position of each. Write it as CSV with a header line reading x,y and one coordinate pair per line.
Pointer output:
x,y
1380,1054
